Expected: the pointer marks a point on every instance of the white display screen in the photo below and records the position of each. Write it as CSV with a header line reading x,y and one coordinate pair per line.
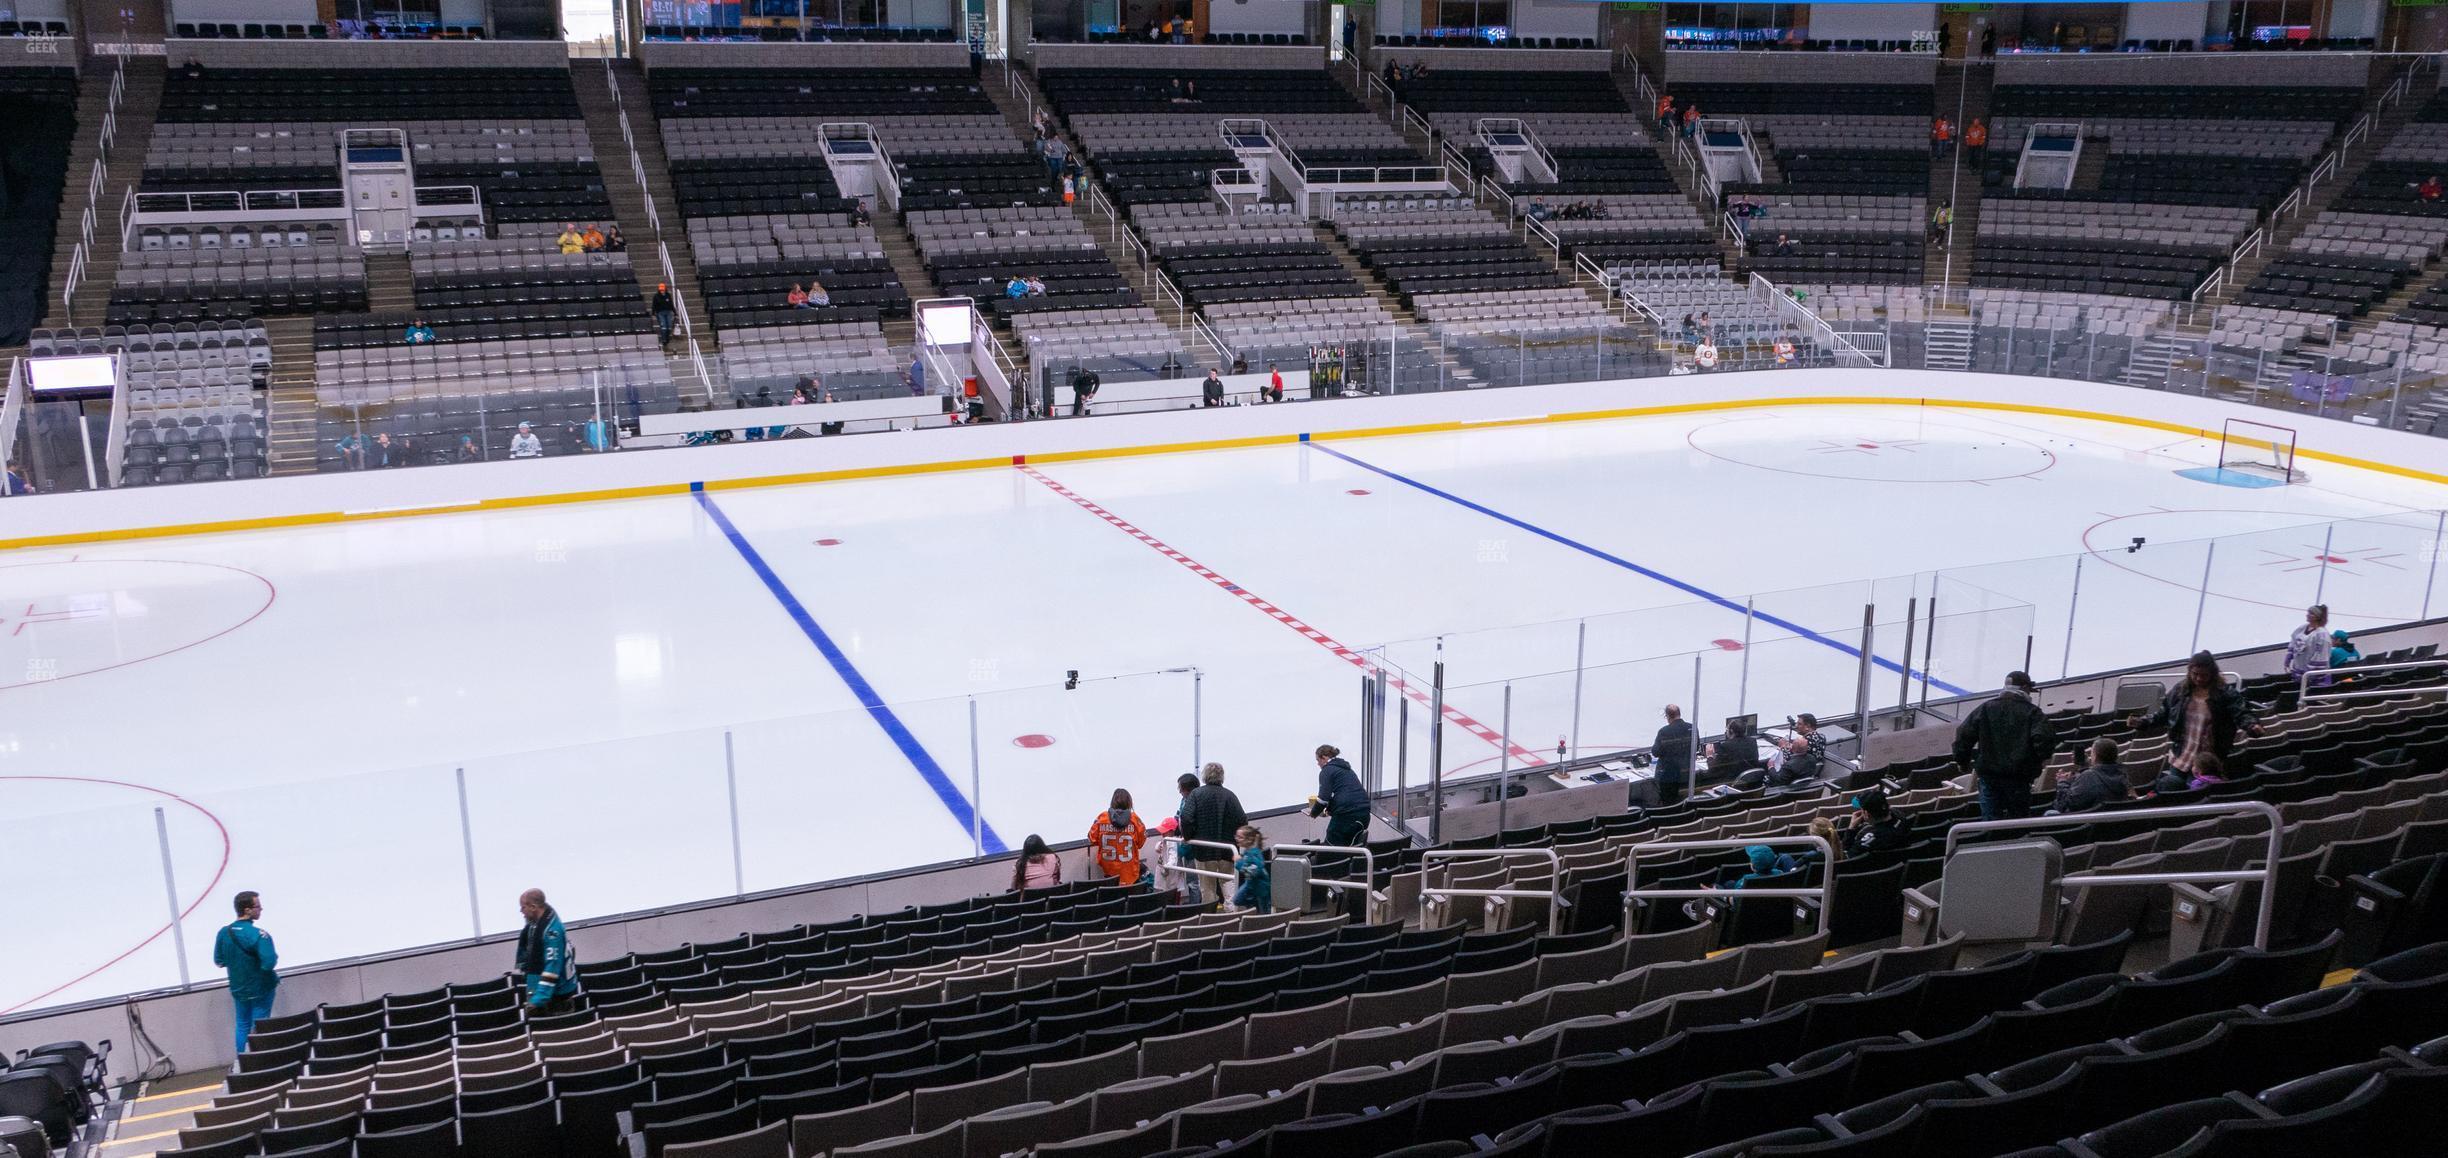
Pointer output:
x,y
945,325
84,374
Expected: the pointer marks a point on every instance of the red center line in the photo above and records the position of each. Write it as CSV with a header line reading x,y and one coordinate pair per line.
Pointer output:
x,y
1459,718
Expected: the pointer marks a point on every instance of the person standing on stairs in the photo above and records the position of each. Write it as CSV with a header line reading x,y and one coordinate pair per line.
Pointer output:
x,y
663,312
247,952
1976,139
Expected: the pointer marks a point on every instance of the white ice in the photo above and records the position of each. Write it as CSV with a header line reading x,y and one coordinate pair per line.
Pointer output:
x,y
315,693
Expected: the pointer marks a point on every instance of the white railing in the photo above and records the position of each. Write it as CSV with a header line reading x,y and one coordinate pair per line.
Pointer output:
x,y
12,400
1794,313
1098,202
1411,119
2267,874
127,215
1457,168
1200,330
1019,92
1544,232
1584,267
2328,676
2211,285
1164,285
1239,181
1554,892
1824,892
1138,249
1698,169
1489,190
97,182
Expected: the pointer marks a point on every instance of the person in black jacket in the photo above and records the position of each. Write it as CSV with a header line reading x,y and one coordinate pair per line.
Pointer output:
x,y
2103,781
1340,798
1672,754
1211,391
663,312
2005,743
1874,826
1213,814
2202,716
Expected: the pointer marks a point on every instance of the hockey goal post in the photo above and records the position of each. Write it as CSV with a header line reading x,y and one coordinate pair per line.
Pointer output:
x,y
2258,449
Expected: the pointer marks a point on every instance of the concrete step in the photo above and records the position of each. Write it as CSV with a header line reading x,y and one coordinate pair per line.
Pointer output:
x,y
138,102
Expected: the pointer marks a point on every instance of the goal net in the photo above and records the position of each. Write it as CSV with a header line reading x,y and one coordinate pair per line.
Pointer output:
x,y
2258,449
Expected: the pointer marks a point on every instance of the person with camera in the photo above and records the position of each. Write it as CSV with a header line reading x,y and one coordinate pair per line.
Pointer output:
x,y
2099,783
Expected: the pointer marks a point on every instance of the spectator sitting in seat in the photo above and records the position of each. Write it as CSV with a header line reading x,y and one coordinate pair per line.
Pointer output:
x,y
1825,829
2342,650
594,239
1538,211
1874,826
352,451
1737,753
797,297
419,333
1761,863
2430,189
468,450
1036,286
387,451
1017,288
1784,247
614,242
2101,781
1804,757
2208,769
818,296
1038,867
525,444
571,241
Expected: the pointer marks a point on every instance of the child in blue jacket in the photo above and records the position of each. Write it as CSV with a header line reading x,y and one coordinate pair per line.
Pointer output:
x,y
1256,890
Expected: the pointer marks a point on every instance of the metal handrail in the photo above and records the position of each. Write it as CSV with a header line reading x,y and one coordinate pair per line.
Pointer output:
x,y
1544,232
1368,868
1185,867
1164,285
2305,694
1411,116
1205,333
1554,893
1825,893
1490,190
2267,874
1098,202
1583,265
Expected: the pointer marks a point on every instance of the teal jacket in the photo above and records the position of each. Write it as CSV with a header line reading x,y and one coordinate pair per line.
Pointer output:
x,y
247,953
544,958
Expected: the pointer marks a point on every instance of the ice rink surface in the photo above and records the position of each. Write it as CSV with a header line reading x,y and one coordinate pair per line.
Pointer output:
x,y
609,680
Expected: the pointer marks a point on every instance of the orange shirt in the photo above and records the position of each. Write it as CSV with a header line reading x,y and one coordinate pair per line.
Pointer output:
x,y
1976,134
1116,850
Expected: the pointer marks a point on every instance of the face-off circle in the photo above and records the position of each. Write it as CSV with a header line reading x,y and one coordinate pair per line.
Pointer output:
x,y
1864,448
2271,549
80,617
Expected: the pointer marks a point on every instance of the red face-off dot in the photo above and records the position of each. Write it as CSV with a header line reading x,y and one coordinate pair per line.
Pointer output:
x,y
828,542
1033,740
1355,492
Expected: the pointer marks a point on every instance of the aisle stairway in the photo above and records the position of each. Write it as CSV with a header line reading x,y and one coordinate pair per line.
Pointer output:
x,y
1628,83
289,442
998,83
2352,160
124,168
1964,89
602,96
